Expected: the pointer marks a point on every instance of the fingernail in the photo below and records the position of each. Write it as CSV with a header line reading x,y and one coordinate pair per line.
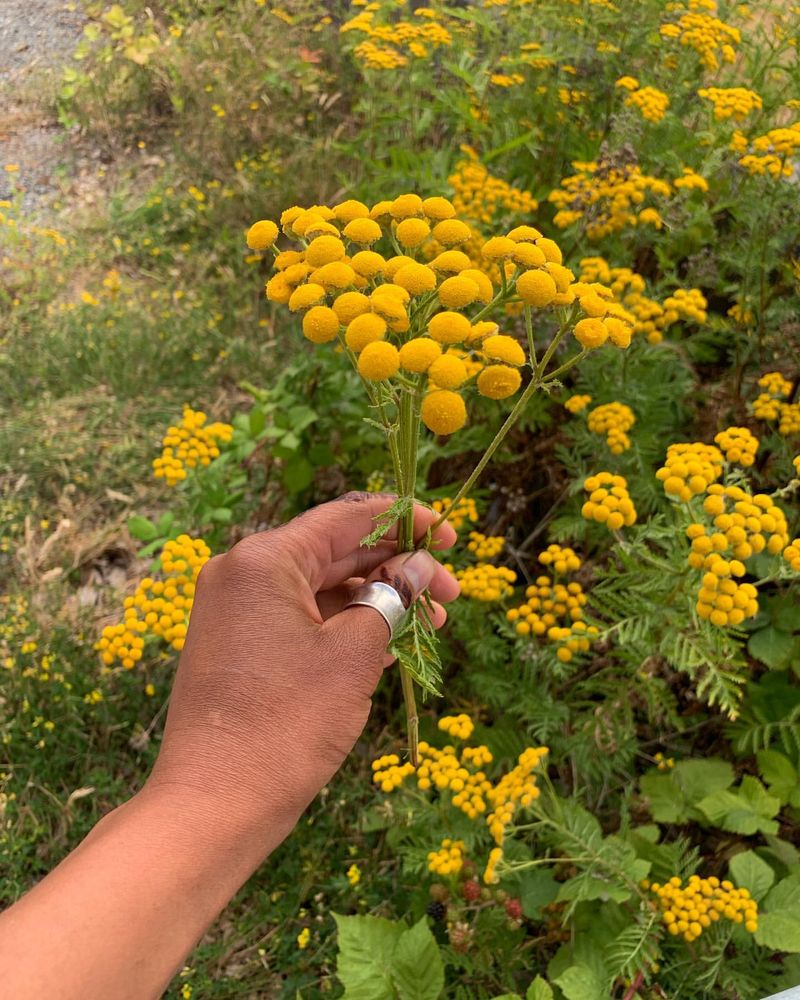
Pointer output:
x,y
418,569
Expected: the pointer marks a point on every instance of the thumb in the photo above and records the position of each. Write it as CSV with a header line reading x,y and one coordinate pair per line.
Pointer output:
x,y
359,632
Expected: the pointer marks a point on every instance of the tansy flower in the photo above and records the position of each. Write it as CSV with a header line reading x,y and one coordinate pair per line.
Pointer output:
x,y
443,411
528,255
405,206
362,231
363,330
536,288
502,348
367,263
412,232
451,262
590,333
458,291
451,232
306,296
337,274
347,211
418,354
449,327
262,235
348,305
498,381
378,361
393,265
438,209
448,372
415,278
324,250
320,325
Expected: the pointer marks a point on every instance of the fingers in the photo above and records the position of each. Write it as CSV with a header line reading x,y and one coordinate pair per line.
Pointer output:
x,y
327,539
360,633
332,601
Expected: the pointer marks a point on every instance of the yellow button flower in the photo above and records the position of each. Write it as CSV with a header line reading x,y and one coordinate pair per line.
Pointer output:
x,y
443,411
378,361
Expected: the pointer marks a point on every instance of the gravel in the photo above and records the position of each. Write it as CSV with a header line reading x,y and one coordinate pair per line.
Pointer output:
x,y
37,38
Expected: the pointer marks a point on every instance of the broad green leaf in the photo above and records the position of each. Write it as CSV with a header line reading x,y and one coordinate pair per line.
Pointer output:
x,y
539,990
779,931
417,967
750,872
779,773
537,888
698,778
297,474
772,646
784,895
142,528
747,810
366,947
579,982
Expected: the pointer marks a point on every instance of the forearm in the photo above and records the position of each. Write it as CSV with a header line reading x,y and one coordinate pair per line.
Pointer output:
x,y
118,917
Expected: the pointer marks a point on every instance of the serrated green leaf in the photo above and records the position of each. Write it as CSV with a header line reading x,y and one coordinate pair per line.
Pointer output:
x,y
772,646
779,773
417,967
390,517
747,810
539,990
779,931
142,528
366,947
579,982
749,871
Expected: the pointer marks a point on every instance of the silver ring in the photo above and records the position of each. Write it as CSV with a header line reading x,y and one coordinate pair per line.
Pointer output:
x,y
384,599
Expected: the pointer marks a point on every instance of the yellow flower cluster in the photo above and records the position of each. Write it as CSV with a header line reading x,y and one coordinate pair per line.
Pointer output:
x,y
483,197
470,789
649,317
484,582
689,469
608,197
349,292
796,464
485,546
711,38
685,303
770,405
189,444
554,611
790,419
458,727
389,773
575,404
609,502
690,181
449,859
664,763
689,909
773,152
160,606
464,511
792,554
731,102
613,420
651,101
514,790
562,559
739,445
390,43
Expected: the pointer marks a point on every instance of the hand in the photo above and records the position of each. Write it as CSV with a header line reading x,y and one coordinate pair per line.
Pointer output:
x,y
275,680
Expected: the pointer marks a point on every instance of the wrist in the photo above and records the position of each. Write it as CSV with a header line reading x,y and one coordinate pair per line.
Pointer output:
x,y
218,832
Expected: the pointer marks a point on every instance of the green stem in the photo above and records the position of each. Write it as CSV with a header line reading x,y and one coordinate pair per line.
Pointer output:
x,y
406,476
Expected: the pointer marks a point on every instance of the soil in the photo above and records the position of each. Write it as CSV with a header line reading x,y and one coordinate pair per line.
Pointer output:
x,y
37,39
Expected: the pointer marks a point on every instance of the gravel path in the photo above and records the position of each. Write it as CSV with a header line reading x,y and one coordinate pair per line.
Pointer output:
x,y
37,38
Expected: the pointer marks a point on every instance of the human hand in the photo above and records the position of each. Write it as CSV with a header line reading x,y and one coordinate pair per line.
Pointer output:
x,y
275,681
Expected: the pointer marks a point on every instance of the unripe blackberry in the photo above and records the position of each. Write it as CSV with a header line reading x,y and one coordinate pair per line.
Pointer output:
x,y
471,890
514,908
438,892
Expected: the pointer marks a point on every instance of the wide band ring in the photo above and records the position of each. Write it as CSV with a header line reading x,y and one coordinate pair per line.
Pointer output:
x,y
385,600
